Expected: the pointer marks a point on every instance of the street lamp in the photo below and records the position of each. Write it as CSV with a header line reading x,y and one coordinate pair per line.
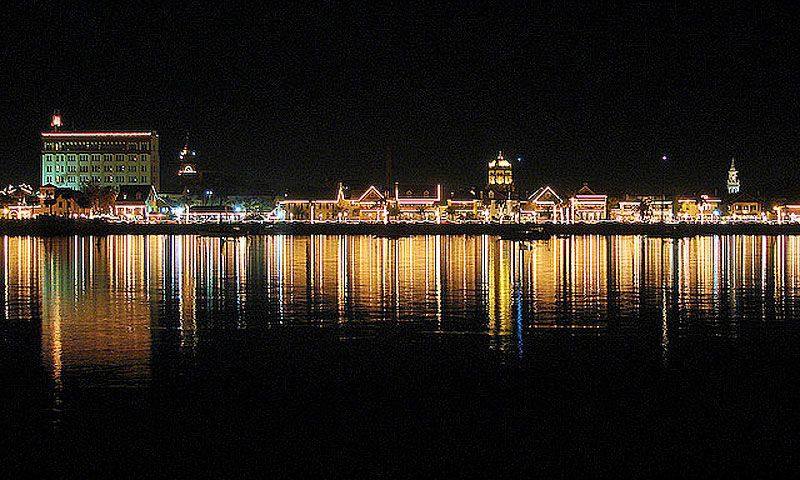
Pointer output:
x,y
664,160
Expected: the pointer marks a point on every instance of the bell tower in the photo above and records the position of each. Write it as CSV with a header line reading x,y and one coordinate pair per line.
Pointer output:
x,y
188,169
733,179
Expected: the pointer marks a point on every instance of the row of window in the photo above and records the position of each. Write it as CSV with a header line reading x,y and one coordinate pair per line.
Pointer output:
x,y
78,146
60,179
95,157
95,168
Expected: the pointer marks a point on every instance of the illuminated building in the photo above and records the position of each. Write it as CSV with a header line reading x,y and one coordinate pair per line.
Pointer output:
x,y
417,202
686,209
135,201
19,201
368,205
587,206
733,179
62,202
499,199
641,208
745,207
407,203
708,208
316,209
20,211
501,176
705,208
543,205
75,159
788,212
463,206
213,213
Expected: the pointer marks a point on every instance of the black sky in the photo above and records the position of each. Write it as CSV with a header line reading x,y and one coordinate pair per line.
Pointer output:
x,y
299,99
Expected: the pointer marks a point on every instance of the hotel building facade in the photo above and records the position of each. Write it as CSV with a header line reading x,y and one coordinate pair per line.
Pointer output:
x,y
75,159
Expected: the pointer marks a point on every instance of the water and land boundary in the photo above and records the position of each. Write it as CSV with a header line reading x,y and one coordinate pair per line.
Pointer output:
x,y
50,227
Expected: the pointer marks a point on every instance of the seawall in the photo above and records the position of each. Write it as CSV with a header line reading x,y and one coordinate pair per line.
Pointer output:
x,y
48,227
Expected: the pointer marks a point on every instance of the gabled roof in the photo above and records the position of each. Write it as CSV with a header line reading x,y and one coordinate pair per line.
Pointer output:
x,y
585,190
370,195
134,194
463,195
545,194
744,198
417,192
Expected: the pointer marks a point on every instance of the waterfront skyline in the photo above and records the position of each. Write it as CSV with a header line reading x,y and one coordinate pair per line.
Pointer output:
x,y
288,99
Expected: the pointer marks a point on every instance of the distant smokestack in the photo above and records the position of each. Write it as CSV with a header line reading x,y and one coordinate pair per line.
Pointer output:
x,y
389,161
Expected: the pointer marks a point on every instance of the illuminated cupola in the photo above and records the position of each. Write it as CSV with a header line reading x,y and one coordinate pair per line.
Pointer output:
x,y
733,179
501,177
55,121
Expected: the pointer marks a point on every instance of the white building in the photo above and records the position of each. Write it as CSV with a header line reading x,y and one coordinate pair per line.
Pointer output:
x,y
75,159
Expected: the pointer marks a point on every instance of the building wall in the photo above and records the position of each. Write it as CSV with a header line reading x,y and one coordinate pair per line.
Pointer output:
x,y
74,159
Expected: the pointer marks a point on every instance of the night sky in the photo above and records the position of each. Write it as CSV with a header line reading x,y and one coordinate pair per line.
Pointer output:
x,y
284,99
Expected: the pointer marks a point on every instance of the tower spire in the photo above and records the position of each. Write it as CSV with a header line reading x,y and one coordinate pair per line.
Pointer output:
x,y
733,178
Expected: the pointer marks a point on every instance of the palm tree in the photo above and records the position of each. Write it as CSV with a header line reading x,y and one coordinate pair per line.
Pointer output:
x,y
422,210
393,211
643,209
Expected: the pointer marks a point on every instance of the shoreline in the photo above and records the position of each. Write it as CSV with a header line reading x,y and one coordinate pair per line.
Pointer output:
x,y
56,227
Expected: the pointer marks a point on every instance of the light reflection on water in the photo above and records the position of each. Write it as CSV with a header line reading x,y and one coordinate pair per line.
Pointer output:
x,y
98,303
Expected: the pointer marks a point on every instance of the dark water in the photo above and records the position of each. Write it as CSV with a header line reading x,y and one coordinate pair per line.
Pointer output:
x,y
421,356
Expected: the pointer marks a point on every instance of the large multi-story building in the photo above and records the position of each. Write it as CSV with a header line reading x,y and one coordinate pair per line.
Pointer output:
x,y
75,159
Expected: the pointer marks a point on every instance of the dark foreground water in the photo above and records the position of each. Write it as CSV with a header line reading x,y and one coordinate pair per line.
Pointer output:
x,y
277,356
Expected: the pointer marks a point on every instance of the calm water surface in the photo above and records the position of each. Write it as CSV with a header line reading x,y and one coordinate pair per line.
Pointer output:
x,y
421,355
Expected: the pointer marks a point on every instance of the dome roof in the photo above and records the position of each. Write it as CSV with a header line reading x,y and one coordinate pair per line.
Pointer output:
x,y
500,162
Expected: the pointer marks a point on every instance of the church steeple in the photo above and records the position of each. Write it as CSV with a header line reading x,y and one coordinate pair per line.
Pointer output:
x,y
733,178
188,169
